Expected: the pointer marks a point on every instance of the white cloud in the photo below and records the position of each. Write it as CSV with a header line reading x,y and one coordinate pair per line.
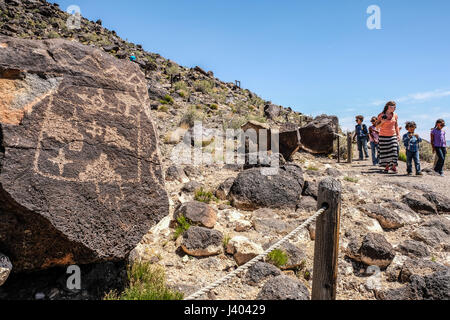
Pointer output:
x,y
416,97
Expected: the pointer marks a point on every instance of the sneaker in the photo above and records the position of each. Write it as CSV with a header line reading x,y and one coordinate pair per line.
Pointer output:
x,y
386,170
394,169
442,175
419,174
409,173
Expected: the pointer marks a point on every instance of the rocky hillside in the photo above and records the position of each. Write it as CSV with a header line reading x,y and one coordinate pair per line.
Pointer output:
x,y
178,93
72,167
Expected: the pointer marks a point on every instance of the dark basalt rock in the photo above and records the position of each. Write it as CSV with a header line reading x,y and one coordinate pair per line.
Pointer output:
x,y
261,271
197,213
80,175
413,249
376,251
317,137
202,242
272,111
283,288
252,190
419,203
435,286
442,202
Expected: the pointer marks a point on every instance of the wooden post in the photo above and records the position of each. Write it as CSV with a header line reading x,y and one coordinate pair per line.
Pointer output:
x,y
326,247
349,148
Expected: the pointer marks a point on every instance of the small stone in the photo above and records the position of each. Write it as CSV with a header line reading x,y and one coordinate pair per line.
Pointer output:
x,y
191,187
376,251
307,204
273,226
296,257
224,189
202,242
413,249
192,171
283,288
261,271
243,226
243,250
175,173
197,213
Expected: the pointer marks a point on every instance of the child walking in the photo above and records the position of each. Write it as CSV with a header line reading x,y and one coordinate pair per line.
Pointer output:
x,y
439,144
374,137
412,142
361,134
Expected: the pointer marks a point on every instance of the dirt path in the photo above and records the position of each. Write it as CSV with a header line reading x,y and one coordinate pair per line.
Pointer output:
x,y
435,183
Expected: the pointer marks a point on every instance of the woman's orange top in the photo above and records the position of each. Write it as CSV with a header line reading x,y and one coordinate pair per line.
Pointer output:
x,y
388,128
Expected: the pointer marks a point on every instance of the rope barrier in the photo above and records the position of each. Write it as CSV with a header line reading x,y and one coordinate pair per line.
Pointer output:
x,y
247,265
339,135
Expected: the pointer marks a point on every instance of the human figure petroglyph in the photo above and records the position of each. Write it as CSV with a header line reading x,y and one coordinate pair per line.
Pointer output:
x,y
60,161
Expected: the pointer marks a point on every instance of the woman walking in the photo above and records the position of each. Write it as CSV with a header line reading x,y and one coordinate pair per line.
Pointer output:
x,y
389,138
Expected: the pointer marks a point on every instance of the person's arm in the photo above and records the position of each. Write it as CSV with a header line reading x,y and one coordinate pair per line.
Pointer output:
x,y
432,142
397,130
406,140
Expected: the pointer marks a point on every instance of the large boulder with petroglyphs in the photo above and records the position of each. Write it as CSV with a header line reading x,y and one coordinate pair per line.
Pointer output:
x,y
80,174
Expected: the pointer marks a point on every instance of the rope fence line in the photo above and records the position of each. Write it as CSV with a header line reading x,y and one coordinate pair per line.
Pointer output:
x,y
340,135
258,258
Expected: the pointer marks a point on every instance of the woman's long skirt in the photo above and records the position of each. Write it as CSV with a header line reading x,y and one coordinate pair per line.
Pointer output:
x,y
388,151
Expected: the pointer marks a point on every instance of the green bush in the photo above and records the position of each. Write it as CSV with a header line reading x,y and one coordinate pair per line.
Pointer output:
x,y
191,116
181,85
146,282
311,168
278,258
167,100
182,227
173,70
163,108
204,196
203,86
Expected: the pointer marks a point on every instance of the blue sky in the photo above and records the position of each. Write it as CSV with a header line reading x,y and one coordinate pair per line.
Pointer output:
x,y
314,56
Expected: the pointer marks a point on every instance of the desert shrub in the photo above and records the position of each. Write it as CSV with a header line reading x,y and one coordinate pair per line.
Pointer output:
x,y
226,240
163,108
181,85
278,258
350,179
167,99
203,86
173,70
191,116
312,168
235,122
146,282
204,196
182,226
53,35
